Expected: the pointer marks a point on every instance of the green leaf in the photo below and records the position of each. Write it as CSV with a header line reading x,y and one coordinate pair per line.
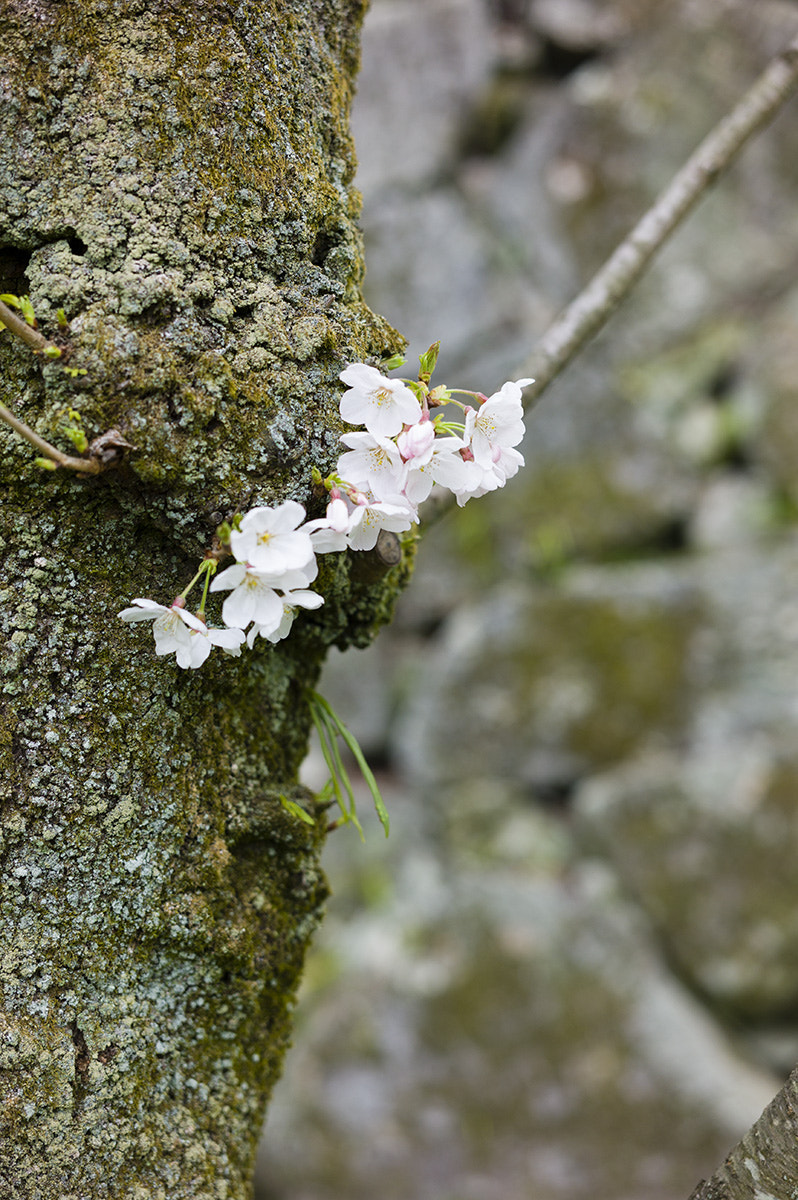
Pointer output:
x,y
324,714
332,757
26,308
296,810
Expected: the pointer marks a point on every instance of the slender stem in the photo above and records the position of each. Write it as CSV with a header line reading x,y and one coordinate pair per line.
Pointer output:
x,y
210,571
89,466
594,305
200,572
26,333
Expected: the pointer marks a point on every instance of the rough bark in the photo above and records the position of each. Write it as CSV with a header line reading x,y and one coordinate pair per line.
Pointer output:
x,y
763,1166
177,176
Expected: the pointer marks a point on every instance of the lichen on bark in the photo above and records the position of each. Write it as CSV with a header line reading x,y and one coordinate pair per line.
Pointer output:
x,y
178,178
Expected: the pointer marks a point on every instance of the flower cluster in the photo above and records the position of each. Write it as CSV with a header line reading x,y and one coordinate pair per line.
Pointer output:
x,y
390,469
275,562
385,473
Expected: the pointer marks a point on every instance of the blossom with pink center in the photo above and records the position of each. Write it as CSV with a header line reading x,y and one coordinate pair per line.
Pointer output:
x,y
497,422
369,518
444,466
382,405
252,597
372,463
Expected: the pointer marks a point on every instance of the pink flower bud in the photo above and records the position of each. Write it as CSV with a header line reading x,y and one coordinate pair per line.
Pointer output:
x,y
416,439
338,515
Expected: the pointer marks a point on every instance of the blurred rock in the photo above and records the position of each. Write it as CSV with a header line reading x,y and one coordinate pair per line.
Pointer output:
x,y
544,685
518,1039
707,845
421,64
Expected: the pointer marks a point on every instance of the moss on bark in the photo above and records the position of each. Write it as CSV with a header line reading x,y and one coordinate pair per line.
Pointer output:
x,y
177,177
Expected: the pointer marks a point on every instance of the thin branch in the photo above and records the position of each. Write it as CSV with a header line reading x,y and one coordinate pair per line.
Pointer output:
x,y
595,304
26,333
593,307
90,466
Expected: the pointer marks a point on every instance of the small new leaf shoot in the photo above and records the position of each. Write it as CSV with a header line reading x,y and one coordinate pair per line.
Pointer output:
x,y
427,362
296,810
26,308
390,364
75,431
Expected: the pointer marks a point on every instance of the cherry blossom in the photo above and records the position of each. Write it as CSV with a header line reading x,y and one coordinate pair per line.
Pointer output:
x,y
179,632
252,597
370,517
498,422
382,476
416,441
269,540
383,405
290,602
372,463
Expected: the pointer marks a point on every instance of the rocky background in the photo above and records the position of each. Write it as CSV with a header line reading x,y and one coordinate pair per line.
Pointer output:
x,y
572,971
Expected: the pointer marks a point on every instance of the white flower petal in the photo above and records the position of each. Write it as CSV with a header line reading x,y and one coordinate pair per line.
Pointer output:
x,y
148,610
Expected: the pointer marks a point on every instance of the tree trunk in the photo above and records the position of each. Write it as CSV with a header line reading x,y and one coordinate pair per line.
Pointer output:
x,y
176,177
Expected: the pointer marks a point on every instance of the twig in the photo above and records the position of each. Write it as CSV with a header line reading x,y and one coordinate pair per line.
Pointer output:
x,y
90,466
595,304
26,333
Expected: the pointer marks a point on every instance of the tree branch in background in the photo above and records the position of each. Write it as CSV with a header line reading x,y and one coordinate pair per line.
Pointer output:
x,y
596,303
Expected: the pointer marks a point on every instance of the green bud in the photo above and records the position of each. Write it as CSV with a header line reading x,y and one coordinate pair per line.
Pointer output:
x,y
390,364
49,351
223,533
78,439
61,318
428,360
46,464
26,308
316,477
